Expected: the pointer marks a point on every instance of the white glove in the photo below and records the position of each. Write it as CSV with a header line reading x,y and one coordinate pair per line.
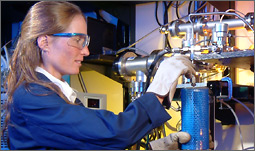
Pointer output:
x,y
166,77
170,142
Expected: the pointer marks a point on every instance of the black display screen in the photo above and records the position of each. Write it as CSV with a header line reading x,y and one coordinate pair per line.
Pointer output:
x,y
93,103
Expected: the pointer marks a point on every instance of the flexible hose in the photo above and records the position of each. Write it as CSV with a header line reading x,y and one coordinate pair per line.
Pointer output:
x,y
252,114
237,121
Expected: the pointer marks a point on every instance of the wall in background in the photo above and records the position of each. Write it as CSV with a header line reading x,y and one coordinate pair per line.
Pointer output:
x,y
145,23
244,77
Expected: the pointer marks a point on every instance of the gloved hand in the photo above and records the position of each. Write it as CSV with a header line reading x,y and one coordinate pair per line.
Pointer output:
x,y
166,77
211,143
170,142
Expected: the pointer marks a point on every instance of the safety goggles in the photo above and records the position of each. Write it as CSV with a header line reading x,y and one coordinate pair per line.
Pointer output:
x,y
77,40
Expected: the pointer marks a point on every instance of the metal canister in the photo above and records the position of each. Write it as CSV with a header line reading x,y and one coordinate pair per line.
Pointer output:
x,y
195,117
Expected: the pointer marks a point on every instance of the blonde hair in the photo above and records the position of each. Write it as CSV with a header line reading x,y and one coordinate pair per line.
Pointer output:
x,y
43,18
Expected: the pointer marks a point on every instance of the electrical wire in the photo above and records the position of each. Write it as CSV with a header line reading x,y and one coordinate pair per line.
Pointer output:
x,y
226,75
136,49
210,75
168,5
249,148
213,11
178,125
241,36
176,109
238,123
189,7
81,82
166,21
165,18
202,6
83,86
7,43
216,74
152,66
202,41
176,10
200,3
252,114
156,14
229,11
205,9
5,59
248,37
4,63
6,50
179,4
167,41
119,51
165,12
170,127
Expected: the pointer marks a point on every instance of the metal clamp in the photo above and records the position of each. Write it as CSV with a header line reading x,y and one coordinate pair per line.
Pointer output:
x,y
230,88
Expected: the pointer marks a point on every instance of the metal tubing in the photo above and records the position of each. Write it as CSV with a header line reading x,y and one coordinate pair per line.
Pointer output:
x,y
178,28
232,24
222,13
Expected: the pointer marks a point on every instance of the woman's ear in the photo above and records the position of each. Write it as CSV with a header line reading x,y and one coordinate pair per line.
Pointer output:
x,y
42,42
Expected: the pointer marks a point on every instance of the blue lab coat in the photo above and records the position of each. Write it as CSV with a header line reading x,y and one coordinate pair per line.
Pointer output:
x,y
48,122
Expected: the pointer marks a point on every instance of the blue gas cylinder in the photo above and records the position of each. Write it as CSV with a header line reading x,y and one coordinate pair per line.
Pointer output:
x,y
195,117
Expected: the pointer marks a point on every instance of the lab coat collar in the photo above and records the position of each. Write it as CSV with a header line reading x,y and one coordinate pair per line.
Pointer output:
x,y
64,86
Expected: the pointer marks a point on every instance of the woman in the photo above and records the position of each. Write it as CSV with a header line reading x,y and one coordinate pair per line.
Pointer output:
x,y
42,109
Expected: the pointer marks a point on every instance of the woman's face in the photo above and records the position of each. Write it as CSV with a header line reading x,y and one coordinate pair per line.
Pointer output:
x,y
63,58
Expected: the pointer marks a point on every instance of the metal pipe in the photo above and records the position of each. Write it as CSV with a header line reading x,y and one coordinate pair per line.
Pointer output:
x,y
179,28
232,24
221,13
130,65
133,65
